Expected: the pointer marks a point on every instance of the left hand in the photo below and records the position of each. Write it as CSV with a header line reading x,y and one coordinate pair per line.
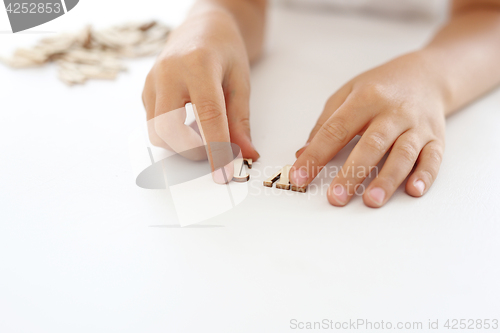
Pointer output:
x,y
399,106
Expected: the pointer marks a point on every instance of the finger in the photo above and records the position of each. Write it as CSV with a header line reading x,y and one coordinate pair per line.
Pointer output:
x,y
148,100
237,98
427,169
370,149
333,135
208,101
333,103
398,165
169,121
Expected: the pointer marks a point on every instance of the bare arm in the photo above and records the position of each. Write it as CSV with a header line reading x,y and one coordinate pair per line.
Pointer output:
x,y
466,51
250,16
400,108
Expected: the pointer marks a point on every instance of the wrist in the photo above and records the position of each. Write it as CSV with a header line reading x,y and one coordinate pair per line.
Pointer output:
x,y
437,78
246,18
210,13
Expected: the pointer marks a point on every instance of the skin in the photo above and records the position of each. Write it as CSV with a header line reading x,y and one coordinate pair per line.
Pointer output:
x,y
398,108
206,61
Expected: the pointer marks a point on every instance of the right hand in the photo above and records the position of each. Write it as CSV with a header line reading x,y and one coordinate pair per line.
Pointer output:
x,y
204,62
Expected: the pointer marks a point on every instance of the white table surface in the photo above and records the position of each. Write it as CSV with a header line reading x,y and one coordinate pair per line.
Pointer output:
x,y
82,248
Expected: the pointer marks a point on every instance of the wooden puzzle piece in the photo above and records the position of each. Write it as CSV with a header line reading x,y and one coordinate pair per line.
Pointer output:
x,y
238,167
282,181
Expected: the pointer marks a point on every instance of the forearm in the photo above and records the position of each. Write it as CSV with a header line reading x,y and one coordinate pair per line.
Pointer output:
x,y
465,53
249,15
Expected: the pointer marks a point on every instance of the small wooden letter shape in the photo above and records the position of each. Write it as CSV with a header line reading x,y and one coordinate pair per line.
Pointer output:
x,y
283,181
238,167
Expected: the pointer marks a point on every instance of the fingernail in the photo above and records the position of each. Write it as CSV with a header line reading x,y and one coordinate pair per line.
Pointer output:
x,y
299,177
420,186
340,194
378,195
258,155
307,144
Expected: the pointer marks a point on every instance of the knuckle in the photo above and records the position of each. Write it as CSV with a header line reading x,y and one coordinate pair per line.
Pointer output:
x,y
162,66
388,182
334,131
162,129
242,123
199,56
313,158
209,111
407,151
237,92
374,91
435,154
155,139
377,142
429,175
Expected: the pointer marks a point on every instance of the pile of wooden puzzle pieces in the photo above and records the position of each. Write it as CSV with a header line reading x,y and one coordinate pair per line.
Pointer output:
x,y
92,54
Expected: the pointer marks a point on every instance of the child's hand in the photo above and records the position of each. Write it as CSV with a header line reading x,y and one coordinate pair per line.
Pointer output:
x,y
204,62
398,107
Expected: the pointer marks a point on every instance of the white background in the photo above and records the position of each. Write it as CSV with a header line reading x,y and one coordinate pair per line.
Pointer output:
x,y
83,249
